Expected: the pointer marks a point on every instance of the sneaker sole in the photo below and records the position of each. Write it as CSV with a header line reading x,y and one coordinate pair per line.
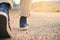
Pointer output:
x,y
24,29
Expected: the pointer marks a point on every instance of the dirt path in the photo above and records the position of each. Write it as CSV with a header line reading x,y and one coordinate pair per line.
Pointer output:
x,y
42,26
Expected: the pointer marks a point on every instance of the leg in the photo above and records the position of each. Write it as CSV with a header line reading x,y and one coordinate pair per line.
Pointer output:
x,y
3,20
25,7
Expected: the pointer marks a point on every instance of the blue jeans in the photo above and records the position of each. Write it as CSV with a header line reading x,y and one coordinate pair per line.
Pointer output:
x,y
4,8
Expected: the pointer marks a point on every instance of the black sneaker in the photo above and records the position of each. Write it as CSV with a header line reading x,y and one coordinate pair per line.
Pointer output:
x,y
23,23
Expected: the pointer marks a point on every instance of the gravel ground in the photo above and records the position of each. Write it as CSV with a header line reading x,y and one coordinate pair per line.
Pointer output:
x,y
42,26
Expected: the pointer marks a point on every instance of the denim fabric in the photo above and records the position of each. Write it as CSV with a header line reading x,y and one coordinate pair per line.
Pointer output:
x,y
4,8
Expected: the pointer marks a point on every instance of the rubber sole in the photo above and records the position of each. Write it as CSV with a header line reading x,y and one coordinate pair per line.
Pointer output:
x,y
3,27
24,29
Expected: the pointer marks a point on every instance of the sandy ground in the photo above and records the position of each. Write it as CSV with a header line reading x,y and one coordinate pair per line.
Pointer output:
x,y
42,26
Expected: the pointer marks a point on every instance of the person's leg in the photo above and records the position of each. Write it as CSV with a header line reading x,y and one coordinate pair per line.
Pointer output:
x,y
25,6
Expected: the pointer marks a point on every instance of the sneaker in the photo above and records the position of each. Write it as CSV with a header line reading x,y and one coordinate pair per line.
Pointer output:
x,y
23,23
3,25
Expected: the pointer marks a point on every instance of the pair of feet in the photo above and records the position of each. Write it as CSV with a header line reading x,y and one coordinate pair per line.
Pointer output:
x,y
23,20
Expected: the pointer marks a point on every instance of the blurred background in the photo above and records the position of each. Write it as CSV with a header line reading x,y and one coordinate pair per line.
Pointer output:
x,y
46,6
43,6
